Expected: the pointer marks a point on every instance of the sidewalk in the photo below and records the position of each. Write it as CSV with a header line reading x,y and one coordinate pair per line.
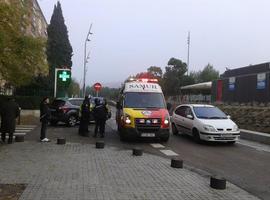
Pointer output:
x,y
79,171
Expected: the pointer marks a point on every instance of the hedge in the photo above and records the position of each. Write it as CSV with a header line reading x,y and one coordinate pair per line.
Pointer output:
x,y
25,102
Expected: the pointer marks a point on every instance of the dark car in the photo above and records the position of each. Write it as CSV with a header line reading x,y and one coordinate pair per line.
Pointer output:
x,y
67,110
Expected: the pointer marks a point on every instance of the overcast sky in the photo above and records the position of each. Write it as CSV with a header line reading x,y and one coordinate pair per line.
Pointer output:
x,y
131,35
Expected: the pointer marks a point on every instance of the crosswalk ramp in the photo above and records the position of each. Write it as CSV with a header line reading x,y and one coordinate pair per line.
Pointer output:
x,y
22,130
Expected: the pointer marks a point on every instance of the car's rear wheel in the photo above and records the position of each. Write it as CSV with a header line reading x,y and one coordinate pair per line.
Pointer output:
x,y
196,136
72,120
174,129
53,122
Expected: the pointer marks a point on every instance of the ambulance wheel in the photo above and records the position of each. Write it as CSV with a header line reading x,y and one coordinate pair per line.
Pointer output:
x,y
165,139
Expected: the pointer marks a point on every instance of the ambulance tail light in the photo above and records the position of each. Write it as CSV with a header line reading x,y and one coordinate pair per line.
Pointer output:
x,y
166,122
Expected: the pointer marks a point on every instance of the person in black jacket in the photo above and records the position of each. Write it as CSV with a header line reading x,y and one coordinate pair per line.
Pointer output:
x,y
9,112
100,112
45,116
85,114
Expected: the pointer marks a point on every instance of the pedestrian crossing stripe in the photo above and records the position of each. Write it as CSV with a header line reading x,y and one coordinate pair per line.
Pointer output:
x,y
20,130
157,146
169,153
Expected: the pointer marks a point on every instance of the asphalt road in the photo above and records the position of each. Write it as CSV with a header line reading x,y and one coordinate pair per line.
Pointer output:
x,y
246,165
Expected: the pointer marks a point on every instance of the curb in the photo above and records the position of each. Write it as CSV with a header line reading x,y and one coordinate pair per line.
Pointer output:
x,y
255,136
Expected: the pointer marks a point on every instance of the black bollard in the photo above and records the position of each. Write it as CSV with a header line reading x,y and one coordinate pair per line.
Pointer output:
x,y
100,144
176,163
137,151
19,138
217,182
61,141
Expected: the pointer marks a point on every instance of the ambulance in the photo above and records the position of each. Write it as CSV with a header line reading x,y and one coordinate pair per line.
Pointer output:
x,y
142,111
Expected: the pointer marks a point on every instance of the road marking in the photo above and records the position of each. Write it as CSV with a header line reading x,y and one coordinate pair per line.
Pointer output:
x,y
20,130
254,145
169,153
157,145
24,129
27,126
16,133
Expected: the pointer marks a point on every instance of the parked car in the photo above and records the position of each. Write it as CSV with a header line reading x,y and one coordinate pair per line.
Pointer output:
x,y
65,110
68,110
204,122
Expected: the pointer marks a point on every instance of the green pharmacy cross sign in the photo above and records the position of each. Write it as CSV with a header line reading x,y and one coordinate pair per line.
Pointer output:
x,y
61,82
64,76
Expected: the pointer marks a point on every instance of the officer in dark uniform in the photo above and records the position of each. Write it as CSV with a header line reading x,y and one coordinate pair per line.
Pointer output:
x,y
100,113
85,115
9,112
45,116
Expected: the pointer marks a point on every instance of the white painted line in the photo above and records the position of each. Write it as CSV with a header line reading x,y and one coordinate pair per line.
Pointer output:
x,y
254,145
32,127
157,145
20,130
25,128
20,134
169,153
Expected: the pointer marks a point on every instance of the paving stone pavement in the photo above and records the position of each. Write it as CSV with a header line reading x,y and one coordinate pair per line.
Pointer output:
x,y
79,171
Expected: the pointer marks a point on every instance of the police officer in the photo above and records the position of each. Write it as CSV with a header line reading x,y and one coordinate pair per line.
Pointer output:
x,y
45,116
9,112
100,112
85,114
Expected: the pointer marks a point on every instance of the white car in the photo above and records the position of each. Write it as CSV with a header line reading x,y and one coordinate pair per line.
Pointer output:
x,y
204,122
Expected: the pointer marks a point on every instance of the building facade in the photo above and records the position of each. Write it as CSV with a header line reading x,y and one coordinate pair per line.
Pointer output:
x,y
36,28
243,85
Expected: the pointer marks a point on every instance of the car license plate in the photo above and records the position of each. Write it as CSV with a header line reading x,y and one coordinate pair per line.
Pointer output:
x,y
148,134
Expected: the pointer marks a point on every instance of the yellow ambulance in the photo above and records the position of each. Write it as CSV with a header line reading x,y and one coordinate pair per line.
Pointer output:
x,y
142,111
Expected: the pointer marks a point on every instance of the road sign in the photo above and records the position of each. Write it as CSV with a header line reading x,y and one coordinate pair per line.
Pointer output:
x,y
97,87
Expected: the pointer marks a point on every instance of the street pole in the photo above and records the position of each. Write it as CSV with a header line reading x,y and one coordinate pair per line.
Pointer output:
x,y
188,42
55,81
85,59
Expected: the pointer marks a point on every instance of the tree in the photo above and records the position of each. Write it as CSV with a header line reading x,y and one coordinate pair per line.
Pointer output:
x,y
21,56
207,74
155,71
174,77
74,88
59,50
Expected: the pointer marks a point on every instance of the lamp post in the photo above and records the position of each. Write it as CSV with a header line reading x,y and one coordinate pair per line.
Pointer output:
x,y
188,43
85,59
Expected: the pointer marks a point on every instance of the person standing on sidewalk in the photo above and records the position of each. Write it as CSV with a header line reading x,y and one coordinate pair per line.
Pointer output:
x,y
85,114
45,116
9,112
100,113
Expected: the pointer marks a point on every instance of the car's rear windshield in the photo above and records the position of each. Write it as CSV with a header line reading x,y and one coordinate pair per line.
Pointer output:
x,y
144,100
58,102
209,113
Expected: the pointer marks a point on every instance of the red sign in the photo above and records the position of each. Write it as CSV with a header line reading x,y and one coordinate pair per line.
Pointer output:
x,y
97,87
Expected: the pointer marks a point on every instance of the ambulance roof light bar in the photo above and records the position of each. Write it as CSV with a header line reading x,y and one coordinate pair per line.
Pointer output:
x,y
145,80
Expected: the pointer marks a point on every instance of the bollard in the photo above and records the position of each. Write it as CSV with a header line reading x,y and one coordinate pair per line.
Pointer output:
x,y
19,138
137,151
61,141
176,163
217,182
100,144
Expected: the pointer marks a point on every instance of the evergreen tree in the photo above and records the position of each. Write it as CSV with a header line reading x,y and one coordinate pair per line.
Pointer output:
x,y
59,50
